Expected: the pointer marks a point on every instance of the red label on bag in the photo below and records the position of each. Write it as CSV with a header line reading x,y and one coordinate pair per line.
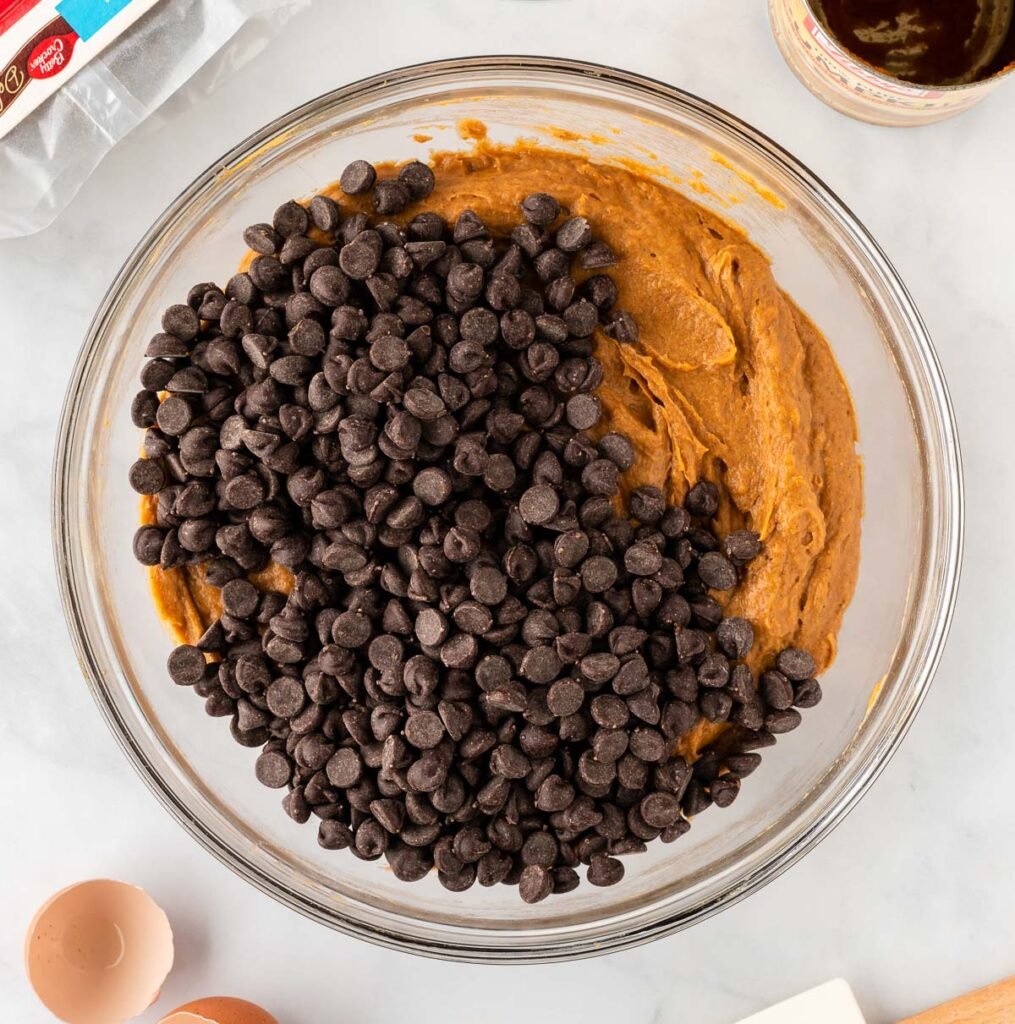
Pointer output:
x,y
43,43
51,55
12,10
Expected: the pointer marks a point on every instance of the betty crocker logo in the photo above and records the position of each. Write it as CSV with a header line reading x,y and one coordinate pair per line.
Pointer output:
x,y
43,43
46,54
51,55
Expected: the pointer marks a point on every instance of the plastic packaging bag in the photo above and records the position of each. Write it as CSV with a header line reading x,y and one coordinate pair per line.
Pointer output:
x,y
46,158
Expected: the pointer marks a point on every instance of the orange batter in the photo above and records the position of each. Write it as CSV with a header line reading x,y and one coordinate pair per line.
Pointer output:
x,y
729,382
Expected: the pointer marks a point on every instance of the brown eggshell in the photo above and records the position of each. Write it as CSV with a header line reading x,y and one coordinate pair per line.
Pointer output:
x,y
98,952
219,1010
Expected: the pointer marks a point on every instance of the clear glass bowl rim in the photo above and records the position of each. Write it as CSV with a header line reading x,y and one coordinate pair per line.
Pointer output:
x,y
945,529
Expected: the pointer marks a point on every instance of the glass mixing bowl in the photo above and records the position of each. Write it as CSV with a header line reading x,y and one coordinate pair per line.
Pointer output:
x,y
893,633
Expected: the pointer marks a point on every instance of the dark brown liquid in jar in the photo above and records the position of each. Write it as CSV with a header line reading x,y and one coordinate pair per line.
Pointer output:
x,y
927,42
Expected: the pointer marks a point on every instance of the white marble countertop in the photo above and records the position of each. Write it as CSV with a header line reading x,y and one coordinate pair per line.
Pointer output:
x,y
910,898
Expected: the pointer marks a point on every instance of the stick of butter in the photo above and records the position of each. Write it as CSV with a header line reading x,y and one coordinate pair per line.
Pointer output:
x,y
831,1003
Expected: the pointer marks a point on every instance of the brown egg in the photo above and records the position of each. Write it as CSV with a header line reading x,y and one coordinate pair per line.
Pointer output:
x,y
219,1010
98,952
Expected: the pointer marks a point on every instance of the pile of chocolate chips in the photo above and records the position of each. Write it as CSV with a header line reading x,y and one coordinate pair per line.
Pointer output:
x,y
481,667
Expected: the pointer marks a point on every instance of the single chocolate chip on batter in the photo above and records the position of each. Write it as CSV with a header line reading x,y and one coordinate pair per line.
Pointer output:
x,y
418,178
540,209
795,664
357,178
717,571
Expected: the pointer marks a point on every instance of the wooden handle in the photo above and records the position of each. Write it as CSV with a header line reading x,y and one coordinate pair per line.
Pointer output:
x,y
994,1004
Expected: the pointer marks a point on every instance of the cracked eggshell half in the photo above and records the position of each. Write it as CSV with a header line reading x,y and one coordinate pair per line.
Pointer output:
x,y
98,952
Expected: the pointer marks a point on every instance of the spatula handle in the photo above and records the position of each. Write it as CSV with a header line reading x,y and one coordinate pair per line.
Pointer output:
x,y
994,1004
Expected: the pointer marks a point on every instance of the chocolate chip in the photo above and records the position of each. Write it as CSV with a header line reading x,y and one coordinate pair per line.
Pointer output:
x,y
660,810
540,665
609,711
735,637
724,790
632,677
325,213
424,730
598,574
776,690
565,697
796,665
597,256
273,769
703,499
535,883
334,835
147,476
240,598
291,219
619,450
186,665
418,178
540,848
574,234
540,209
623,328
467,227
749,715
408,864
716,705
148,544
648,745
262,238
741,546
351,629
743,764
554,794
807,693
155,376
488,586
608,746
717,571
492,671
539,504
344,768
583,411
181,321
425,405
360,258
509,762
604,871
357,178
286,697
601,477
714,670
778,722
426,775
470,844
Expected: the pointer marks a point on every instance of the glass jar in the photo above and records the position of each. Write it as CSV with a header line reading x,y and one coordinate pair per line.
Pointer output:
x,y
861,90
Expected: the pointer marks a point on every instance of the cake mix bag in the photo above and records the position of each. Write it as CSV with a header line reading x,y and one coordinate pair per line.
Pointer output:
x,y
77,75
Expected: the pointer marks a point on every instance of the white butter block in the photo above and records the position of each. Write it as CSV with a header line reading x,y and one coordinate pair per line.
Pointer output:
x,y
831,1003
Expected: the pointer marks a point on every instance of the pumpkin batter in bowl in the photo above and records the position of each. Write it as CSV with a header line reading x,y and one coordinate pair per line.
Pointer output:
x,y
729,382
